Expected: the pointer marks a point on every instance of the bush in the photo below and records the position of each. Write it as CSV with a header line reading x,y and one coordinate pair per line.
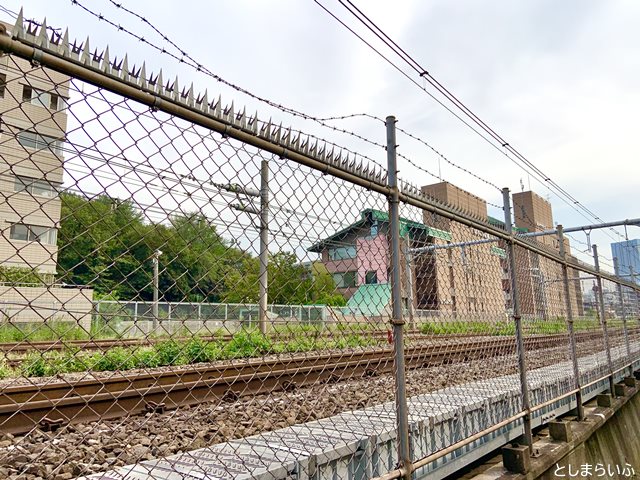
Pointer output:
x,y
35,365
169,352
146,358
5,371
248,344
117,358
196,351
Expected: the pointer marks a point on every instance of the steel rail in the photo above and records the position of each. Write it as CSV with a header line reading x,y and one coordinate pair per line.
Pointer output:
x,y
50,405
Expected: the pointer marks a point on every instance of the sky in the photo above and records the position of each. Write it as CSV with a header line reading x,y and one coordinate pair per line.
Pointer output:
x,y
557,80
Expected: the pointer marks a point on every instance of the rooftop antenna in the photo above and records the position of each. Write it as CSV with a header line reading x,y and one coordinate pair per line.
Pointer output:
x,y
521,185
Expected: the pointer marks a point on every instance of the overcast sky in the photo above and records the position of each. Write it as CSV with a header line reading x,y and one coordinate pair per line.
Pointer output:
x,y
558,80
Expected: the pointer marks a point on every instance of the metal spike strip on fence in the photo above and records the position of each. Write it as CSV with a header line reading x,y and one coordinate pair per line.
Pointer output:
x,y
171,91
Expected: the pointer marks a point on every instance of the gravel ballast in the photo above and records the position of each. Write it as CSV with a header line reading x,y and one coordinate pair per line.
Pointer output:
x,y
81,449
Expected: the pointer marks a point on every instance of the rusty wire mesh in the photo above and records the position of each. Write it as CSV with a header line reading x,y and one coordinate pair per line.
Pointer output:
x,y
133,337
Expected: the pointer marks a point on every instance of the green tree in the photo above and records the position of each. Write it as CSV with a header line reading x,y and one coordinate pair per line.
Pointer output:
x,y
97,244
105,243
197,262
322,288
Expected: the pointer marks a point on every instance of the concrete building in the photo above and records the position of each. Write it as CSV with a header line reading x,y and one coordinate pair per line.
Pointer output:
x,y
34,121
33,103
540,283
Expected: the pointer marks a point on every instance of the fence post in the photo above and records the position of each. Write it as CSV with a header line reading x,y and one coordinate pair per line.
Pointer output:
x,y
402,417
635,291
623,313
264,242
570,326
603,319
515,303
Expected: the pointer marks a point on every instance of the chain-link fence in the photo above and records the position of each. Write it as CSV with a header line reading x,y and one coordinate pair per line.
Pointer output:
x,y
188,291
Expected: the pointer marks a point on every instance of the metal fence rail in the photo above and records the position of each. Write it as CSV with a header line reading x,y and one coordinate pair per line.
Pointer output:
x,y
260,299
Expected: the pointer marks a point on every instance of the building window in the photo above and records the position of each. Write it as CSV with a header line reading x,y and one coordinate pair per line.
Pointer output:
x,y
3,84
41,188
36,141
342,253
33,233
49,100
374,229
345,279
371,278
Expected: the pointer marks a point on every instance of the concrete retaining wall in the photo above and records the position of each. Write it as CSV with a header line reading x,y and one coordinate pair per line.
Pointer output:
x,y
46,304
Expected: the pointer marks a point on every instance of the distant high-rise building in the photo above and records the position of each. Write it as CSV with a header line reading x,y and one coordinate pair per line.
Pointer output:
x,y
627,259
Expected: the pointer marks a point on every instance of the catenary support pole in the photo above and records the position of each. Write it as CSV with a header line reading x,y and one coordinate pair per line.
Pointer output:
x,y
603,319
570,326
517,319
402,417
264,244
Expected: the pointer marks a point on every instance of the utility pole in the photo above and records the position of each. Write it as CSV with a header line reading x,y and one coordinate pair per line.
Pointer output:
x,y
264,242
156,275
263,214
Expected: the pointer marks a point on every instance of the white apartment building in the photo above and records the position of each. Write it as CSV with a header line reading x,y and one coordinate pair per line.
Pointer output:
x,y
33,104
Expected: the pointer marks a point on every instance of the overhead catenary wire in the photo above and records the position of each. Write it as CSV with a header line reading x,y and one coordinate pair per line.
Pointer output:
x,y
489,135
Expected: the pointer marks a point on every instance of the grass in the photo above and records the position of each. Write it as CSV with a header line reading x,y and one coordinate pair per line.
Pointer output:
x,y
41,332
244,344
504,327
501,327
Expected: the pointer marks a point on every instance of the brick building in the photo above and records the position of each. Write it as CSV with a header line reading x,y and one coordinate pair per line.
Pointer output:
x,y
540,283
461,279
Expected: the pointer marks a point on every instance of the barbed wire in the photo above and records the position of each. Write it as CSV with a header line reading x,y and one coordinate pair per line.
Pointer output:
x,y
187,59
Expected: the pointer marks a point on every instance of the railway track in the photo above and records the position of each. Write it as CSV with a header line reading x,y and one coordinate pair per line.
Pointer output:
x,y
105,344
59,402
14,353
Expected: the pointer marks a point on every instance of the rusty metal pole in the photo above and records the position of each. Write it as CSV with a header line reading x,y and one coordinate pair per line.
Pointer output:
x,y
603,319
570,326
623,307
517,319
397,320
